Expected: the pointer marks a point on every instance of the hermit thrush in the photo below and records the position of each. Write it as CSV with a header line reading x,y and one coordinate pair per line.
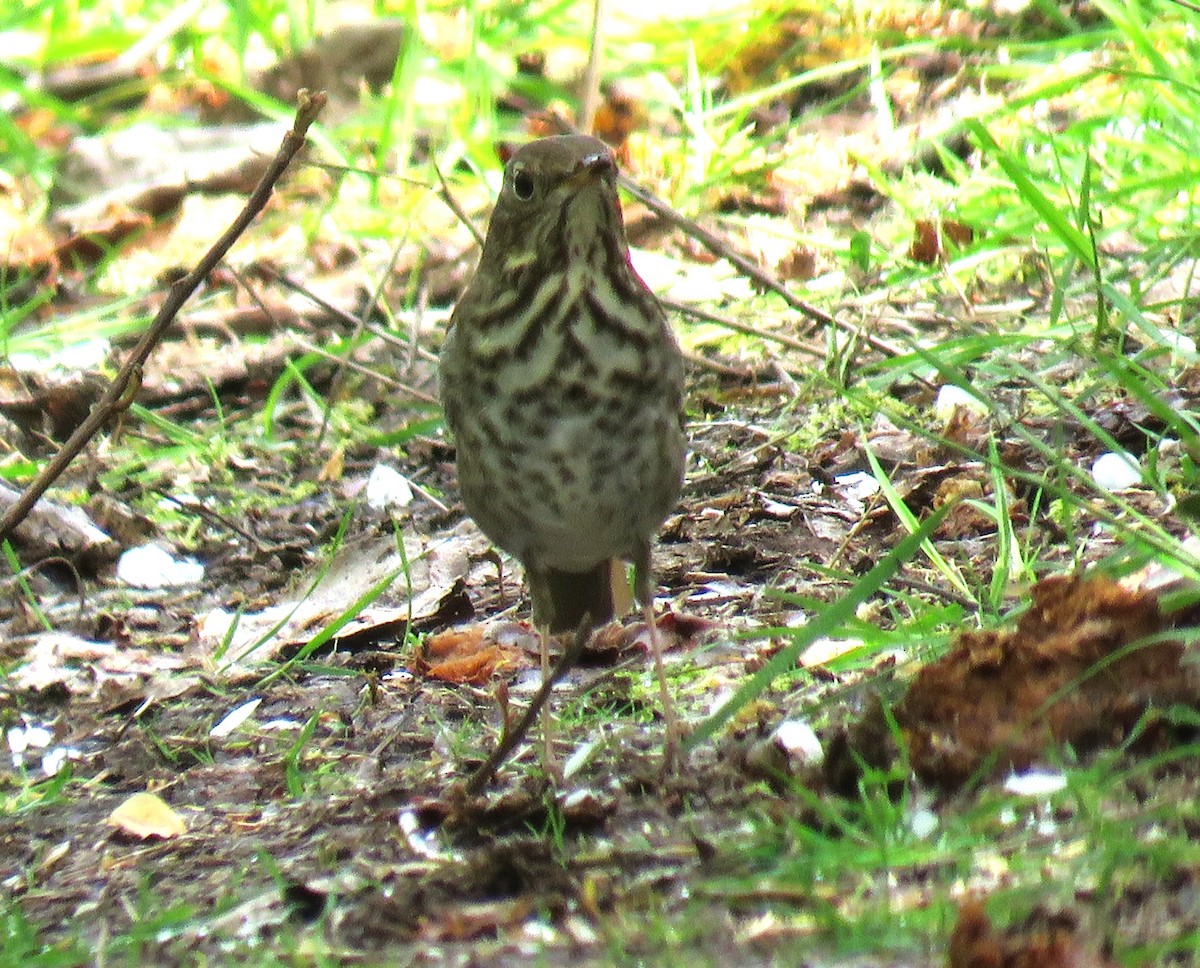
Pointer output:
x,y
563,385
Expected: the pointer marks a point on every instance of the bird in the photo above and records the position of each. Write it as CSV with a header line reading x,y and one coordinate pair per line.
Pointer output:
x,y
562,384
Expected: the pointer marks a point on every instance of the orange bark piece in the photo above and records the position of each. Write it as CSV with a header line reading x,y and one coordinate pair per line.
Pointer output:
x,y
1070,672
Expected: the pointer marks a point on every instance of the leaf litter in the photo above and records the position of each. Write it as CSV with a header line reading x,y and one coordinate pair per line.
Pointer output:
x,y
342,772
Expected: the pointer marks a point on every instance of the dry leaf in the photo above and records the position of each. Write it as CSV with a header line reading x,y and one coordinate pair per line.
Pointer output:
x,y
467,655
147,815
932,240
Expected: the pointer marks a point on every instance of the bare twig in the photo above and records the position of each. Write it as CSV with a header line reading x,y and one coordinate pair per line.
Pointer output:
x,y
319,301
452,204
877,344
209,515
782,338
366,371
428,496
513,733
67,563
125,385
936,591
722,249
881,346
269,313
359,325
716,366
341,314
393,340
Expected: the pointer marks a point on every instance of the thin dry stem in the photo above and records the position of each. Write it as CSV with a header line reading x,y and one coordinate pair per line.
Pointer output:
x,y
125,385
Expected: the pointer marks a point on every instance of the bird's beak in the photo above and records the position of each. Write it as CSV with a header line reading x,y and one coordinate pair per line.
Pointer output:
x,y
593,167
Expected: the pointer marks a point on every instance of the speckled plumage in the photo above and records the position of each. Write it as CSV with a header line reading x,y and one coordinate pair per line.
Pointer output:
x,y
563,385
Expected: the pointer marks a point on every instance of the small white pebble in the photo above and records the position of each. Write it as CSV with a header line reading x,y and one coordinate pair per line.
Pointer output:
x,y
801,744
540,931
1116,472
777,509
951,397
149,566
923,823
234,718
1035,783
388,488
22,738
57,758
857,484
421,842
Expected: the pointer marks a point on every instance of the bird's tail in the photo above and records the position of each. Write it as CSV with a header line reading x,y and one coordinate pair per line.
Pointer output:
x,y
601,594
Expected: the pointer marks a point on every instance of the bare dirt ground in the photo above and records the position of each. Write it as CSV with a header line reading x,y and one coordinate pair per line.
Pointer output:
x,y
327,823
334,808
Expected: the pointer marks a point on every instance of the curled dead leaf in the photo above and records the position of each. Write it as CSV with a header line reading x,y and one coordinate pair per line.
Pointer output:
x,y
467,655
147,815
934,239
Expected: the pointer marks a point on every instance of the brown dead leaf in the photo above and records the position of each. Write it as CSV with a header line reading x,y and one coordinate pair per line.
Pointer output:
x,y
47,405
799,264
184,374
926,247
46,126
895,445
53,530
967,427
435,573
92,240
618,116
102,71
464,922
334,468
1043,941
744,200
114,673
339,62
144,170
25,242
933,240
964,520
467,655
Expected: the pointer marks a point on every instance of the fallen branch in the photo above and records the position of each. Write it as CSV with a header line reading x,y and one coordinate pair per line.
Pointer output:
x,y
125,385
807,349
514,732
723,250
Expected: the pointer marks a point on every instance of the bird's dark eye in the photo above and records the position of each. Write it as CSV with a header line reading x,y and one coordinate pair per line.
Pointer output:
x,y
522,183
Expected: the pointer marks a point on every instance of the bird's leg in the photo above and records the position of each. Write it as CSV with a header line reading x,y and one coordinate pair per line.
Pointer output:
x,y
549,763
543,620
644,589
513,733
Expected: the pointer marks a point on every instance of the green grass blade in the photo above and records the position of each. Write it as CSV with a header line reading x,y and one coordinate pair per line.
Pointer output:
x,y
823,624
